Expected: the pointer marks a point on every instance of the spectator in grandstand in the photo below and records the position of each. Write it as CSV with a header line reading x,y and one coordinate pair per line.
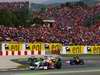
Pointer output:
x,y
68,29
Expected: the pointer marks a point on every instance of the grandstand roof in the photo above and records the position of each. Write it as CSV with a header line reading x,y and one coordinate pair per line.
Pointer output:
x,y
13,0
50,21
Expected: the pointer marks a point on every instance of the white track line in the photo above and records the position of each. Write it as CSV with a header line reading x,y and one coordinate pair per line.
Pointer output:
x,y
68,72
62,72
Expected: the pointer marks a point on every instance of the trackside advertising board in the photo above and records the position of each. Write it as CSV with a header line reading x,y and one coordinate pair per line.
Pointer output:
x,y
75,49
93,49
34,46
13,46
55,48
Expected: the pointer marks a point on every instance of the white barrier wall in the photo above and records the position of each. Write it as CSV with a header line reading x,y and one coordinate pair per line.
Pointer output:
x,y
21,49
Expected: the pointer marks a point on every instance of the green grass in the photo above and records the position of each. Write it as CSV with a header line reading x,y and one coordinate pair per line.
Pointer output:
x,y
22,66
30,74
87,55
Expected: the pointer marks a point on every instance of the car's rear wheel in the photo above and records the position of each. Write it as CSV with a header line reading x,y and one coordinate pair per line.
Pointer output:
x,y
31,67
58,65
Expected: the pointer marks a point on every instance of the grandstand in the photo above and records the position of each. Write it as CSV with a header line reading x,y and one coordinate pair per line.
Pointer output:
x,y
74,24
68,24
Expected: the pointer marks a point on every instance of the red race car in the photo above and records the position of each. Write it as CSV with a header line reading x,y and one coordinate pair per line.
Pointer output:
x,y
46,62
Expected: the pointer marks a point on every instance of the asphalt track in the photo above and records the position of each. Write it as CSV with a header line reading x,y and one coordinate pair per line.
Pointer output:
x,y
92,67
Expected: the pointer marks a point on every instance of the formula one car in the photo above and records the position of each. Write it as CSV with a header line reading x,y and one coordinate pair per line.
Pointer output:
x,y
76,61
44,63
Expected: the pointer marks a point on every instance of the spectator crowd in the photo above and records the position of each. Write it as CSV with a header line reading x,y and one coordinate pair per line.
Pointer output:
x,y
69,27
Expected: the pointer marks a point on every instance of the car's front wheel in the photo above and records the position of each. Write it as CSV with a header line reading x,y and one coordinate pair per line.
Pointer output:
x,y
82,63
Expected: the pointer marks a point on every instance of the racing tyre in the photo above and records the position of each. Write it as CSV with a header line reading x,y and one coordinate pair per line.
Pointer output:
x,y
58,65
31,67
82,62
72,62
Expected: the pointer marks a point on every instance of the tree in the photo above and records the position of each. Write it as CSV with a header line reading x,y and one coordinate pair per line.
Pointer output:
x,y
37,20
6,18
90,21
14,18
68,4
81,3
97,16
